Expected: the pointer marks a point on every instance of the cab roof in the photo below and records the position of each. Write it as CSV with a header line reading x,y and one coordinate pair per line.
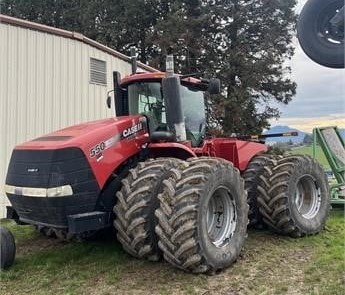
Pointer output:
x,y
145,76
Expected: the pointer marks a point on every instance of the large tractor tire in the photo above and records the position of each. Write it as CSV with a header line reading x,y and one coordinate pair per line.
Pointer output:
x,y
8,248
203,216
137,201
323,43
252,181
297,201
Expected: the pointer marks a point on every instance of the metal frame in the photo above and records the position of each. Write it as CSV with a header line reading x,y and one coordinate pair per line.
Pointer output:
x,y
338,168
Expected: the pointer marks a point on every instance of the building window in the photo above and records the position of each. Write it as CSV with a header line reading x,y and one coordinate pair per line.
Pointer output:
x,y
98,71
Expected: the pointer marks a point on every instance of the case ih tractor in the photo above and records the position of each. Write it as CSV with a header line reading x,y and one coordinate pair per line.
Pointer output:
x,y
168,189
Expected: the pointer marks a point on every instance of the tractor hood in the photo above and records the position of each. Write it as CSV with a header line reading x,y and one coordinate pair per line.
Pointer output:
x,y
103,144
82,135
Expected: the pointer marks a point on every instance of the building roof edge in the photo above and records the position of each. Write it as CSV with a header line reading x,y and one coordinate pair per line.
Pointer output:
x,y
71,35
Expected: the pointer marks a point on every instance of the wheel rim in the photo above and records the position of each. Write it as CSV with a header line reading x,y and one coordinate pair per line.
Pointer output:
x,y
221,217
307,197
324,27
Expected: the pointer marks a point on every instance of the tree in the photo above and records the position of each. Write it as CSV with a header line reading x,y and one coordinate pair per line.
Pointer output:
x,y
245,43
251,41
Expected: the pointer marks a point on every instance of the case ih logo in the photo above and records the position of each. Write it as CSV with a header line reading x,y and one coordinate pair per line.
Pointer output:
x,y
132,130
100,147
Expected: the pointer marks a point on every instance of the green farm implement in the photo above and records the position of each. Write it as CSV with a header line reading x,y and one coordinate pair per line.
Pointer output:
x,y
332,145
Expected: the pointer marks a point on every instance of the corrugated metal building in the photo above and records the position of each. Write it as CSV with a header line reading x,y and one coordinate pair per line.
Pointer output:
x,y
50,79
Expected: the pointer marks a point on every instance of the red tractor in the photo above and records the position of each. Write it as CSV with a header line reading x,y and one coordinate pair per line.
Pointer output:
x,y
167,188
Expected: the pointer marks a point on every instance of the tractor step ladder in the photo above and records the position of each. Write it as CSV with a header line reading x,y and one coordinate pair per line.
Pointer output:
x,y
332,145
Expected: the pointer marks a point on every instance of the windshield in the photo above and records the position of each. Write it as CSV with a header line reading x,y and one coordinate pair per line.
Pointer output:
x,y
194,112
146,98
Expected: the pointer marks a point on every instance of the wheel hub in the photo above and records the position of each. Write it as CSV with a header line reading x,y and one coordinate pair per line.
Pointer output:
x,y
307,197
221,217
327,29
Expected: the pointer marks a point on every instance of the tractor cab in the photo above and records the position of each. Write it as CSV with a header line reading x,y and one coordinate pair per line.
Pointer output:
x,y
146,98
174,105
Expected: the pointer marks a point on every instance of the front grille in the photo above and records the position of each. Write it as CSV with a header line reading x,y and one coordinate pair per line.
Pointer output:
x,y
52,168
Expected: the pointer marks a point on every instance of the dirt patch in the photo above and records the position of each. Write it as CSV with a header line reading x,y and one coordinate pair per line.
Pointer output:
x,y
145,278
37,244
260,270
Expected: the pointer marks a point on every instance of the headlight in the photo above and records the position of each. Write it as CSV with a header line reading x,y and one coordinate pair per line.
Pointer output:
x,y
60,191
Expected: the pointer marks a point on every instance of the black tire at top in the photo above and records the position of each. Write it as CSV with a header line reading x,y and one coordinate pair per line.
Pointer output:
x,y
136,203
312,40
8,248
182,225
279,207
252,180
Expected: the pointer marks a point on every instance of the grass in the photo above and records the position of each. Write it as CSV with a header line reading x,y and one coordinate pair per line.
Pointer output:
x,y
269,264
308,150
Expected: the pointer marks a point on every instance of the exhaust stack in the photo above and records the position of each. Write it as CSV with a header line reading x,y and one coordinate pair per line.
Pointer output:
x,y
173,102
134,60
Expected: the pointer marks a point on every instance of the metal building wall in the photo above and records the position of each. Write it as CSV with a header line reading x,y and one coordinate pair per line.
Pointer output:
x,y
44,86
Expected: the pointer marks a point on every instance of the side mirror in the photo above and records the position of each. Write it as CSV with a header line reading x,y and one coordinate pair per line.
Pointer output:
x,y
109,102
214,86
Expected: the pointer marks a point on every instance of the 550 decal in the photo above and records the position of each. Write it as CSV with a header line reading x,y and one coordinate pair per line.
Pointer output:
x,y
125,134
97,149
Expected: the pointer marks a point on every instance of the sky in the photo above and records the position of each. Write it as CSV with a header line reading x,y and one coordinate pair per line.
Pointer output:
x,y
320,98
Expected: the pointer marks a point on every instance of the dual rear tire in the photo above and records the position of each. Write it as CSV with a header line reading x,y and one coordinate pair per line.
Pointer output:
x,y
295,196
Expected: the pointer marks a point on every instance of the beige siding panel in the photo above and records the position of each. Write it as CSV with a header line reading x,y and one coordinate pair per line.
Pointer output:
x,y
48,83
45,85
4,54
